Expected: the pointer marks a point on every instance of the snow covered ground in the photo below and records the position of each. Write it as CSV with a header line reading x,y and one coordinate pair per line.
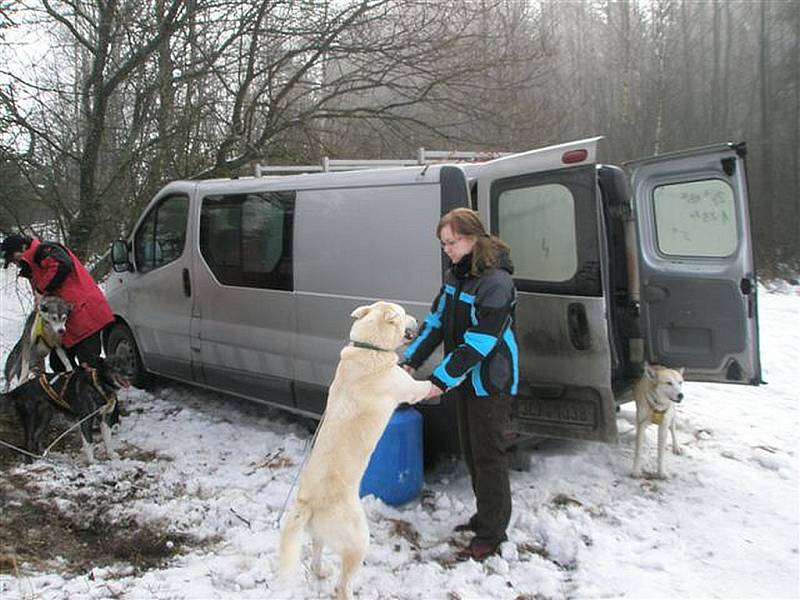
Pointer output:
x,y
206,478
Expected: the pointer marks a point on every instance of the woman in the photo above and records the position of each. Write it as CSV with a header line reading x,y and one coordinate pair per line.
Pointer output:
x,y
54,270
473,316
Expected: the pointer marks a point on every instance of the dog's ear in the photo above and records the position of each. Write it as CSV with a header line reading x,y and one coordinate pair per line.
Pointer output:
x,y
391,315
360,312
681,370
649,371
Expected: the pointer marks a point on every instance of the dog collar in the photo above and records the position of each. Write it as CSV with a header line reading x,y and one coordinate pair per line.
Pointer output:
x,y
367,346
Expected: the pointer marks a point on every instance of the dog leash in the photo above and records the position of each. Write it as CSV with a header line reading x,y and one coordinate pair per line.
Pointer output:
x,y
58,439
20,450
306,454
309,447
84,419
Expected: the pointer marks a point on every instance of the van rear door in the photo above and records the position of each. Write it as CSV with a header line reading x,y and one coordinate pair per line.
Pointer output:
x,y
698,280
545,205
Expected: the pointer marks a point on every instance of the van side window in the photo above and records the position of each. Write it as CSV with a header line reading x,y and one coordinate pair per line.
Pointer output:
x,y
697,218
550,222
161,237
246,239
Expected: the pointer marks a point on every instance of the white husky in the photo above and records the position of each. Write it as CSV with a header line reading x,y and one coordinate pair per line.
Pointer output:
x,y
656,394
366,389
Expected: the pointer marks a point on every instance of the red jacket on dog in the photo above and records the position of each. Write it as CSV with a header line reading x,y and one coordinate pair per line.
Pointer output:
x,y
56,270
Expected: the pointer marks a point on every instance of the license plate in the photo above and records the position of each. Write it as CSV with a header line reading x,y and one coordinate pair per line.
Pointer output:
x,y
574,412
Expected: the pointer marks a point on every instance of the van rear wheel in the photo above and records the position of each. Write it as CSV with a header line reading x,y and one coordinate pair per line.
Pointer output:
x,y
122,345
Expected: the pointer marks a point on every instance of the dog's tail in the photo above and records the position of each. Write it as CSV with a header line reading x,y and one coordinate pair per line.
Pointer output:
x,y
292,538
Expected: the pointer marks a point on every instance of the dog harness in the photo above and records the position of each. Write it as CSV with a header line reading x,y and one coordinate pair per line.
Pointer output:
x,y
58,396
38,327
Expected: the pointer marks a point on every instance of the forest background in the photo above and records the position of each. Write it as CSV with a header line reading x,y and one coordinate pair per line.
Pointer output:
x,y
104,101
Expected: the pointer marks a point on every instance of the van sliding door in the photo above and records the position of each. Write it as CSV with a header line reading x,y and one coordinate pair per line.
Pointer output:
x,y
544,204
244,284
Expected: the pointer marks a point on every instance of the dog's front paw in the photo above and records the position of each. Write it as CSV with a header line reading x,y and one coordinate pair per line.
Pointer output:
x,y
636,473
677,450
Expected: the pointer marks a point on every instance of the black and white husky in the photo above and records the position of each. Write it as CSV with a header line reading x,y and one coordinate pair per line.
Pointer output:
x,y
42,334
78,394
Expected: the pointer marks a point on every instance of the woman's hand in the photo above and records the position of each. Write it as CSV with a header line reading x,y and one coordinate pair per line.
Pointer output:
x,y
434,392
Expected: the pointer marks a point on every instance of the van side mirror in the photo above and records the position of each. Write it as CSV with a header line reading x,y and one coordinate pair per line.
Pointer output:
x,y
120,260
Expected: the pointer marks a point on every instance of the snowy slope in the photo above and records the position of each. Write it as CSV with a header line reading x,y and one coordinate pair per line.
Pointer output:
x,y
217,472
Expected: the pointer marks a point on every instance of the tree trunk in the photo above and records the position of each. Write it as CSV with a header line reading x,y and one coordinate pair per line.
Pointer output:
x,y
796,135
715,72
768,200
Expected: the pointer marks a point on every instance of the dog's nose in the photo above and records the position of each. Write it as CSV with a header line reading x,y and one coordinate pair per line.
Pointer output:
x,y
411,327
680,397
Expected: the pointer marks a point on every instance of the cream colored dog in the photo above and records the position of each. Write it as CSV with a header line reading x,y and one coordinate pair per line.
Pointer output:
x,y
656,394
366,389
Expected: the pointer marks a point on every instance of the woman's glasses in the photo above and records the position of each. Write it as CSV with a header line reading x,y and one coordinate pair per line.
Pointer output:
x,y
450,243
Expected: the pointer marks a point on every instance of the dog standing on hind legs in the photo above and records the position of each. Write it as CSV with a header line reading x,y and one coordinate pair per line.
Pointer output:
x,y
366,389
43,331
656,394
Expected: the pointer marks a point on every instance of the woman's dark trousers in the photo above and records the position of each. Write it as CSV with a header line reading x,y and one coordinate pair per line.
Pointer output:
x,y
481,425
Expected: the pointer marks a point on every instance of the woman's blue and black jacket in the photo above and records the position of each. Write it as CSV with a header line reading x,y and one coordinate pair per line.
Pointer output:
x,y
474,317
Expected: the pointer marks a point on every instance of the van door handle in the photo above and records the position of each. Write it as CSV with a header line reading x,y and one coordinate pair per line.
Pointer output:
x,y
747,286
187,284
578,325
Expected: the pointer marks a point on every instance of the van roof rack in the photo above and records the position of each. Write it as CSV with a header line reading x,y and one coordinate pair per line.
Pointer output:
x,y
424,157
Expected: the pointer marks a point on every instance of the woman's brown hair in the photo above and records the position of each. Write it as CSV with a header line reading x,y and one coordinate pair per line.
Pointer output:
x,y
487,249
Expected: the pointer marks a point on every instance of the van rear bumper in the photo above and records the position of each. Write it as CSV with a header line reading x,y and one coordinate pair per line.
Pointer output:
x,y
577,413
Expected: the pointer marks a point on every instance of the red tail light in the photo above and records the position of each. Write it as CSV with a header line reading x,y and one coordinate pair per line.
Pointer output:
x,y
574,156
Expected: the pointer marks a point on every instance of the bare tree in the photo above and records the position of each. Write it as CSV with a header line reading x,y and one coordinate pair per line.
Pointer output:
x,y
133,93
109,45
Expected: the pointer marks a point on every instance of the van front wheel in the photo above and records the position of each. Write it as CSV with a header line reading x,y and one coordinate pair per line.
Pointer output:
x,y
122,345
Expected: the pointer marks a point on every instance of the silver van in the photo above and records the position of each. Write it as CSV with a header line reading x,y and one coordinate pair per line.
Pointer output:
x,y
245,285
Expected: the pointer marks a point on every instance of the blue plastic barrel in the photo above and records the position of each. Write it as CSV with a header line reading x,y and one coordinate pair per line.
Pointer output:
x,y
394,473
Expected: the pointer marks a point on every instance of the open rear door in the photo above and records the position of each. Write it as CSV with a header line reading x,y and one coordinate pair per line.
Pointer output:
x,y
698,281
544,204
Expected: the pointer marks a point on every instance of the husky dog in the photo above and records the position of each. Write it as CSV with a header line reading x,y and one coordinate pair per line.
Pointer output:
x,y
656,394
366,389
78,393
43,331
